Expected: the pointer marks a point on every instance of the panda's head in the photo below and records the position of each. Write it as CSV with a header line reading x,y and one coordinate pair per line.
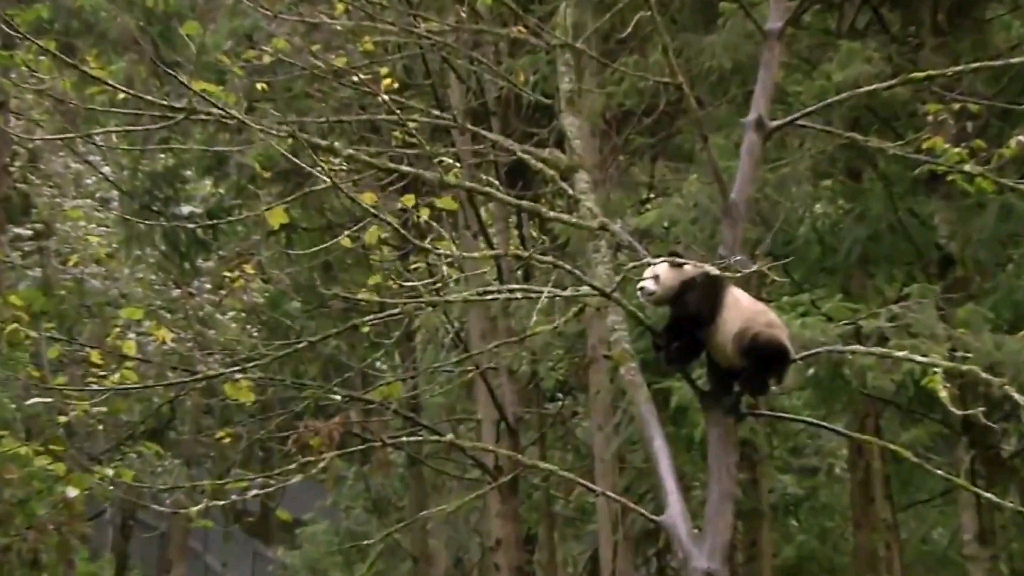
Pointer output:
x,y
660,281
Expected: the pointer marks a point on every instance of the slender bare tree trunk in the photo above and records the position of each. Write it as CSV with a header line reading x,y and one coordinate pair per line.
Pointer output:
x,y
752,549
121,537
876,539
611,542
496,390
419,499
174,557
548,565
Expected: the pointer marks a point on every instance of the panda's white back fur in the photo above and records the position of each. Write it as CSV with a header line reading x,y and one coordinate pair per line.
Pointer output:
x,y
729,327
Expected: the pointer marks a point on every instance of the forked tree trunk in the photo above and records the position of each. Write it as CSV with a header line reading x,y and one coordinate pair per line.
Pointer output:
x,y
705,553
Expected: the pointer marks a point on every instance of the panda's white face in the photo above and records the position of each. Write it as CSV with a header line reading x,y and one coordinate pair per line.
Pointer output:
x,y
659,282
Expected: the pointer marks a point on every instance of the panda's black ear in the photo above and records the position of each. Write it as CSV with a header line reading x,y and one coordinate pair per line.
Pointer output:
x,y
675,254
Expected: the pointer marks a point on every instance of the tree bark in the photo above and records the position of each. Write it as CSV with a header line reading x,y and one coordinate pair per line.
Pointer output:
x,y
495,389
753,543
876,538
613,557
174,557
121,536
419,499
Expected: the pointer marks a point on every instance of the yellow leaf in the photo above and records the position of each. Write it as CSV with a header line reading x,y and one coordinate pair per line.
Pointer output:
x,y
446,203
340,61
424,212
283,514
346,242
240,391
14,300
366,44
53,352
384,71
129,347
408,200
388,84
276,217
163,335
372,235
261,86
375,279
368,198
340,8
129,375
96,357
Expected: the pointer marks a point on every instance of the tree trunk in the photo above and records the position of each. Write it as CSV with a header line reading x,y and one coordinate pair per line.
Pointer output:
x,y
876,538
612,558
752,548
495,389
121,536
419,499
174,557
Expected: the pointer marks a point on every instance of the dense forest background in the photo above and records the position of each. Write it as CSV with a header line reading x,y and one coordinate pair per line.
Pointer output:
x,y
390,250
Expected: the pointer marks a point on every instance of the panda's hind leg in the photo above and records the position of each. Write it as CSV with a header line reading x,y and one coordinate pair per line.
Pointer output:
x,y
767,359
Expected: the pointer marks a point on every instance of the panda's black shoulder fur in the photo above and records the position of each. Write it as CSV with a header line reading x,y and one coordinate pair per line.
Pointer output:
x,y
694,307
698,301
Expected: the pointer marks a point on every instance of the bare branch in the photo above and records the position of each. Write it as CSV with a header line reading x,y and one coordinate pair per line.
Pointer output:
x,y
734,212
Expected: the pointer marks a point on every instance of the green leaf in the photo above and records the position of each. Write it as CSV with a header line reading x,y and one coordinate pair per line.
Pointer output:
x,y
408,200
131,313
191,28
387,392
283,514
276,217
372,235
446,203
240,391
53,352
129,347
280,44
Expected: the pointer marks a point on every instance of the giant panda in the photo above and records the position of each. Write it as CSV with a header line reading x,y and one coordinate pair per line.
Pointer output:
x,y
745,342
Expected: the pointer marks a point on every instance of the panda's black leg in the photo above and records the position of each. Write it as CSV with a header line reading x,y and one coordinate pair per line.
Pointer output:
x,y
724,389
734,406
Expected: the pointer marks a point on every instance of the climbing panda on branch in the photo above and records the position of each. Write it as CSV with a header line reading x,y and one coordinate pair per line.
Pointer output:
x,y
746,344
